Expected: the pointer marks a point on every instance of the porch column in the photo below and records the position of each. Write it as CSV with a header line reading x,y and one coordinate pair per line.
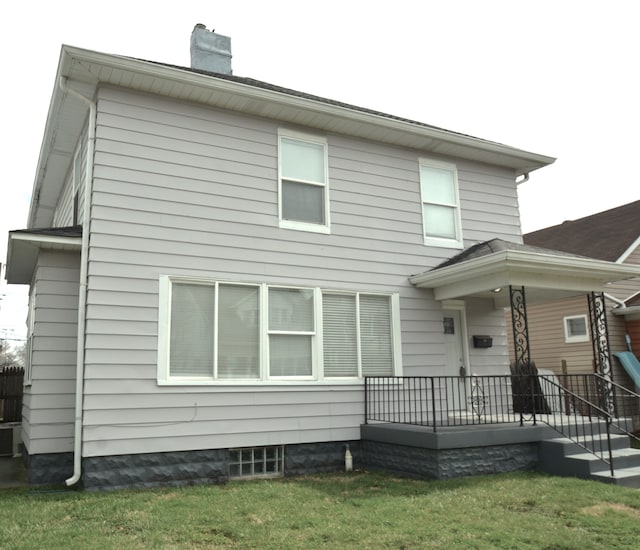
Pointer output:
x,y
600,343
520,326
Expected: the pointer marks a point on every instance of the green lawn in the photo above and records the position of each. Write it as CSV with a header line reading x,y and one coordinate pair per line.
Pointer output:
x,y
359,510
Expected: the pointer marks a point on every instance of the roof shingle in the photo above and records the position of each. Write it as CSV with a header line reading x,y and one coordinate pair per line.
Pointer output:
x,y
603,236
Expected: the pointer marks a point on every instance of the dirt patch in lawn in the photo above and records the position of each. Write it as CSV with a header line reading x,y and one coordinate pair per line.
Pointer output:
x,y
603,507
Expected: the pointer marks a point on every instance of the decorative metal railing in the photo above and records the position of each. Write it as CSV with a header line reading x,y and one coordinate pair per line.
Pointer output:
x,y
578,408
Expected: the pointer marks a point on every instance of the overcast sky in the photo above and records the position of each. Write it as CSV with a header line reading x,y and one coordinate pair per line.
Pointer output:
x,y
556,77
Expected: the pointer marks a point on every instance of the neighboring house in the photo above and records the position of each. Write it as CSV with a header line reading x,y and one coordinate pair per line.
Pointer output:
x,y
560,330
216,263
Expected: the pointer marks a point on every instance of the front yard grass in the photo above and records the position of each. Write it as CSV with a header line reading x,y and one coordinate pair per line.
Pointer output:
x,y
358,510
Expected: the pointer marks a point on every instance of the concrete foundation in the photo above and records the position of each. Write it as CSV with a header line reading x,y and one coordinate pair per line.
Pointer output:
x,y
402,449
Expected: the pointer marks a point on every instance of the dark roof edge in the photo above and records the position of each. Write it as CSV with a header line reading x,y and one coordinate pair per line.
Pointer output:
x,y
68,231
492,246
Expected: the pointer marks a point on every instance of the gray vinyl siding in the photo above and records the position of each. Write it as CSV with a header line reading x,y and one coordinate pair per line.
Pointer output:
x,y
63,215
48,412
180,189
483,319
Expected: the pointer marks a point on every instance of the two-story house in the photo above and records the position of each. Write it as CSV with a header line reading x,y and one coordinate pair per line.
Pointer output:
x,y
216,264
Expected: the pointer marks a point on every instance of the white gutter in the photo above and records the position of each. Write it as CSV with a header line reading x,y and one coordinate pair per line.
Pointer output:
x,y
537,263
82,297
629,251
614,299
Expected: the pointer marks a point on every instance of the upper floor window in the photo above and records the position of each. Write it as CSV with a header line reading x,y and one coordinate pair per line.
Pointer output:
x,y
576,329
440,204
303,188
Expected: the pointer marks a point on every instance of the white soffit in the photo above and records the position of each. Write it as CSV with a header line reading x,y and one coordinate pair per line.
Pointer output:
x,y
85,70
23,250
555,274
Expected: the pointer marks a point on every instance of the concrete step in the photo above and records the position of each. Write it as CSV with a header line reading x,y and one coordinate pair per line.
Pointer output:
x,y
595,443
561,456
579,425
622,458
626,477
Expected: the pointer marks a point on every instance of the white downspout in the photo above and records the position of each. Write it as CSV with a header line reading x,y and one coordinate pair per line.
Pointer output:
x,y
82,298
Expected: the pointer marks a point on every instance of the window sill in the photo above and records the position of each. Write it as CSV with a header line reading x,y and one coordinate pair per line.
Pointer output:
x,y
301,226
576,340
262,383
443,243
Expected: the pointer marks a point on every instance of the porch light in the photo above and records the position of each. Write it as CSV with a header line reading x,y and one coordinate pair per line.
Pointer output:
x,y
496,290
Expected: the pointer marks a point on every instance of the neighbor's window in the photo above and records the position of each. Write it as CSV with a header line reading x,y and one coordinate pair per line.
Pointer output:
x,y
303,183
576,329
440,204
216,332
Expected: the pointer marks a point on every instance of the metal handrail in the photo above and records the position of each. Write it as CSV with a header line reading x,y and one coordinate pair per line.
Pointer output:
x,y
581,430
441,401
627,406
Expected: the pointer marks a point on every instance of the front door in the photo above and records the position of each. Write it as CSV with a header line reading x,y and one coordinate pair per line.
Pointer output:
x,y
455,357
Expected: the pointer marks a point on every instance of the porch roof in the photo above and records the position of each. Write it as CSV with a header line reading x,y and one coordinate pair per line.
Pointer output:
x,y
484,269
24,246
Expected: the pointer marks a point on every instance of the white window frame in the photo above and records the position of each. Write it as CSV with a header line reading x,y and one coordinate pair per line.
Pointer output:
x,y
31,323
299,225
575,338
164,323
443,242
264,308
394,308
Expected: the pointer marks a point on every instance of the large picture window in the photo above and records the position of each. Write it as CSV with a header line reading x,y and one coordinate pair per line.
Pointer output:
x,y
440,204
216,332
303,184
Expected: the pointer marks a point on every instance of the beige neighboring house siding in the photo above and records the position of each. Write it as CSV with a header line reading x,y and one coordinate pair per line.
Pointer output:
x,y
547,338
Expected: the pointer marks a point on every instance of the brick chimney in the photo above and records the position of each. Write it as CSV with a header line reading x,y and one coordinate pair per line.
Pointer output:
x,y
210,51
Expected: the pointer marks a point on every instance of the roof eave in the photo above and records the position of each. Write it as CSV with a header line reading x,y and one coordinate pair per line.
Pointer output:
x,y
23,250
514,267
86,69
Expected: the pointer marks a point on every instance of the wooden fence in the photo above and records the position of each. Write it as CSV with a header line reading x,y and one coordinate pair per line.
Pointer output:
x,y
11,387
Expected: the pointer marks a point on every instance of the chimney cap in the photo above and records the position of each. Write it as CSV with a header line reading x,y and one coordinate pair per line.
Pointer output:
x,y
210,51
